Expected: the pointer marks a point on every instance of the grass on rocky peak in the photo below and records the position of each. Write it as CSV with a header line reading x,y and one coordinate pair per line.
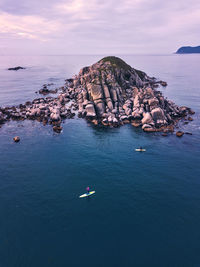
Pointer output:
x,y
116,62
141,74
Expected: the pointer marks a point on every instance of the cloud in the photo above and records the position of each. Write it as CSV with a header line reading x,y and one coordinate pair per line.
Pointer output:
x,y
102,26
31,27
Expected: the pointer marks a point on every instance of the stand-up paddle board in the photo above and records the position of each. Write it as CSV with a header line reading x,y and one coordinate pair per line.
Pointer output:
x,y
87,194
140,149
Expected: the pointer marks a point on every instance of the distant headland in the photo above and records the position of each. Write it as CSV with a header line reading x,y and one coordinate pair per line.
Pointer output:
x,y
188,50
108,93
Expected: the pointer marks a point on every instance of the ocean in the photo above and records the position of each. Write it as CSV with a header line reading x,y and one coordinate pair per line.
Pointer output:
x,y
146,210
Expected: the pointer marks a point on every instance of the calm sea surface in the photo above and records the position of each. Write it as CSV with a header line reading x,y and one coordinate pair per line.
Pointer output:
x,y
146,210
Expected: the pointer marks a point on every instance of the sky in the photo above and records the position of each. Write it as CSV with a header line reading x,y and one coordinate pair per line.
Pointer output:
x,y
57,27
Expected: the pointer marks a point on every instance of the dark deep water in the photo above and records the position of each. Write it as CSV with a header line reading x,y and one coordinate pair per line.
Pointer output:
x,y
146,210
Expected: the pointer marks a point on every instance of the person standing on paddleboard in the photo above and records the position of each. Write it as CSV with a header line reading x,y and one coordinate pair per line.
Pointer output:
x,y
88,190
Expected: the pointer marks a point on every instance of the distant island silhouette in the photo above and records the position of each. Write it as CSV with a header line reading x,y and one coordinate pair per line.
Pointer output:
x,y
188,50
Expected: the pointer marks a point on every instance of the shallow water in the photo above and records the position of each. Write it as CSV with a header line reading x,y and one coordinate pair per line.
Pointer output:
x,y
146,208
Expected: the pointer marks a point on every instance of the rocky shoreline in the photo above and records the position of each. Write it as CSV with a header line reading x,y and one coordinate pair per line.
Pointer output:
x,y
109,93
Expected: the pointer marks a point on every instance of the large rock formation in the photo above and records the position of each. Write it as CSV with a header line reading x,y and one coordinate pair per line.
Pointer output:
x,y
112,92
108,93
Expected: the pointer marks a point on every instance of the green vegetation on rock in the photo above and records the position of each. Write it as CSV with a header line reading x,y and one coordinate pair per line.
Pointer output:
x,y
116,62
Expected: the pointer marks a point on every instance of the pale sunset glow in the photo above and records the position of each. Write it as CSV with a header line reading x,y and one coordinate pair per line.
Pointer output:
x,y
98,27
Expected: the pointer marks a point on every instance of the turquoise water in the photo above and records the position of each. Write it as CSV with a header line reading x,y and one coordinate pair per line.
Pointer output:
x,y
146,210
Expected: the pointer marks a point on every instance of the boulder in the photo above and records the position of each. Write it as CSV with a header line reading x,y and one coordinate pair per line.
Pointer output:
x,y
179,134
146,126
149,91
191,112
16,139
90,110
136,123
57,128
153,102
95,122
128,111
55,116
190,118
158,115
110,119
123,117
150,129
136,102
164,84
147,119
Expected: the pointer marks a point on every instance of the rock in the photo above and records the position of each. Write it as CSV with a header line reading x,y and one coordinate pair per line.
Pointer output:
x,y
136,123
168,128
159,116
46,91
147,119
16,68
164,84
2,119
128,111
191,112
110,119
144,126
155,85
16,139
190,118
126,121
164,134
124,117
136,114
90,111
136,102
153,102
57,128
95,122
179,134
45,121
150,130
105,122
55,116
115,121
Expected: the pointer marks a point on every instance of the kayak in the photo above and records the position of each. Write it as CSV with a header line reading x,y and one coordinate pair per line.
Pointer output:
x,y
87,194
140,149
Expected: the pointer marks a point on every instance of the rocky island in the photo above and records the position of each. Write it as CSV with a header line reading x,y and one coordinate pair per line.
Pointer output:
x,y
188,50
109,93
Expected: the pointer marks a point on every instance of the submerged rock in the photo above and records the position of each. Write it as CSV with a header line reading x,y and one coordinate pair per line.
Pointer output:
x,y
46,91
188,133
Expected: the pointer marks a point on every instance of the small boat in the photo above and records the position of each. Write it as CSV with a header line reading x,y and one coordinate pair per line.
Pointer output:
x,y
87,194
140,149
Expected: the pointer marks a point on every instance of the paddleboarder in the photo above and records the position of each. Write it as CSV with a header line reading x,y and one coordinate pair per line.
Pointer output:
x,y
88,190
